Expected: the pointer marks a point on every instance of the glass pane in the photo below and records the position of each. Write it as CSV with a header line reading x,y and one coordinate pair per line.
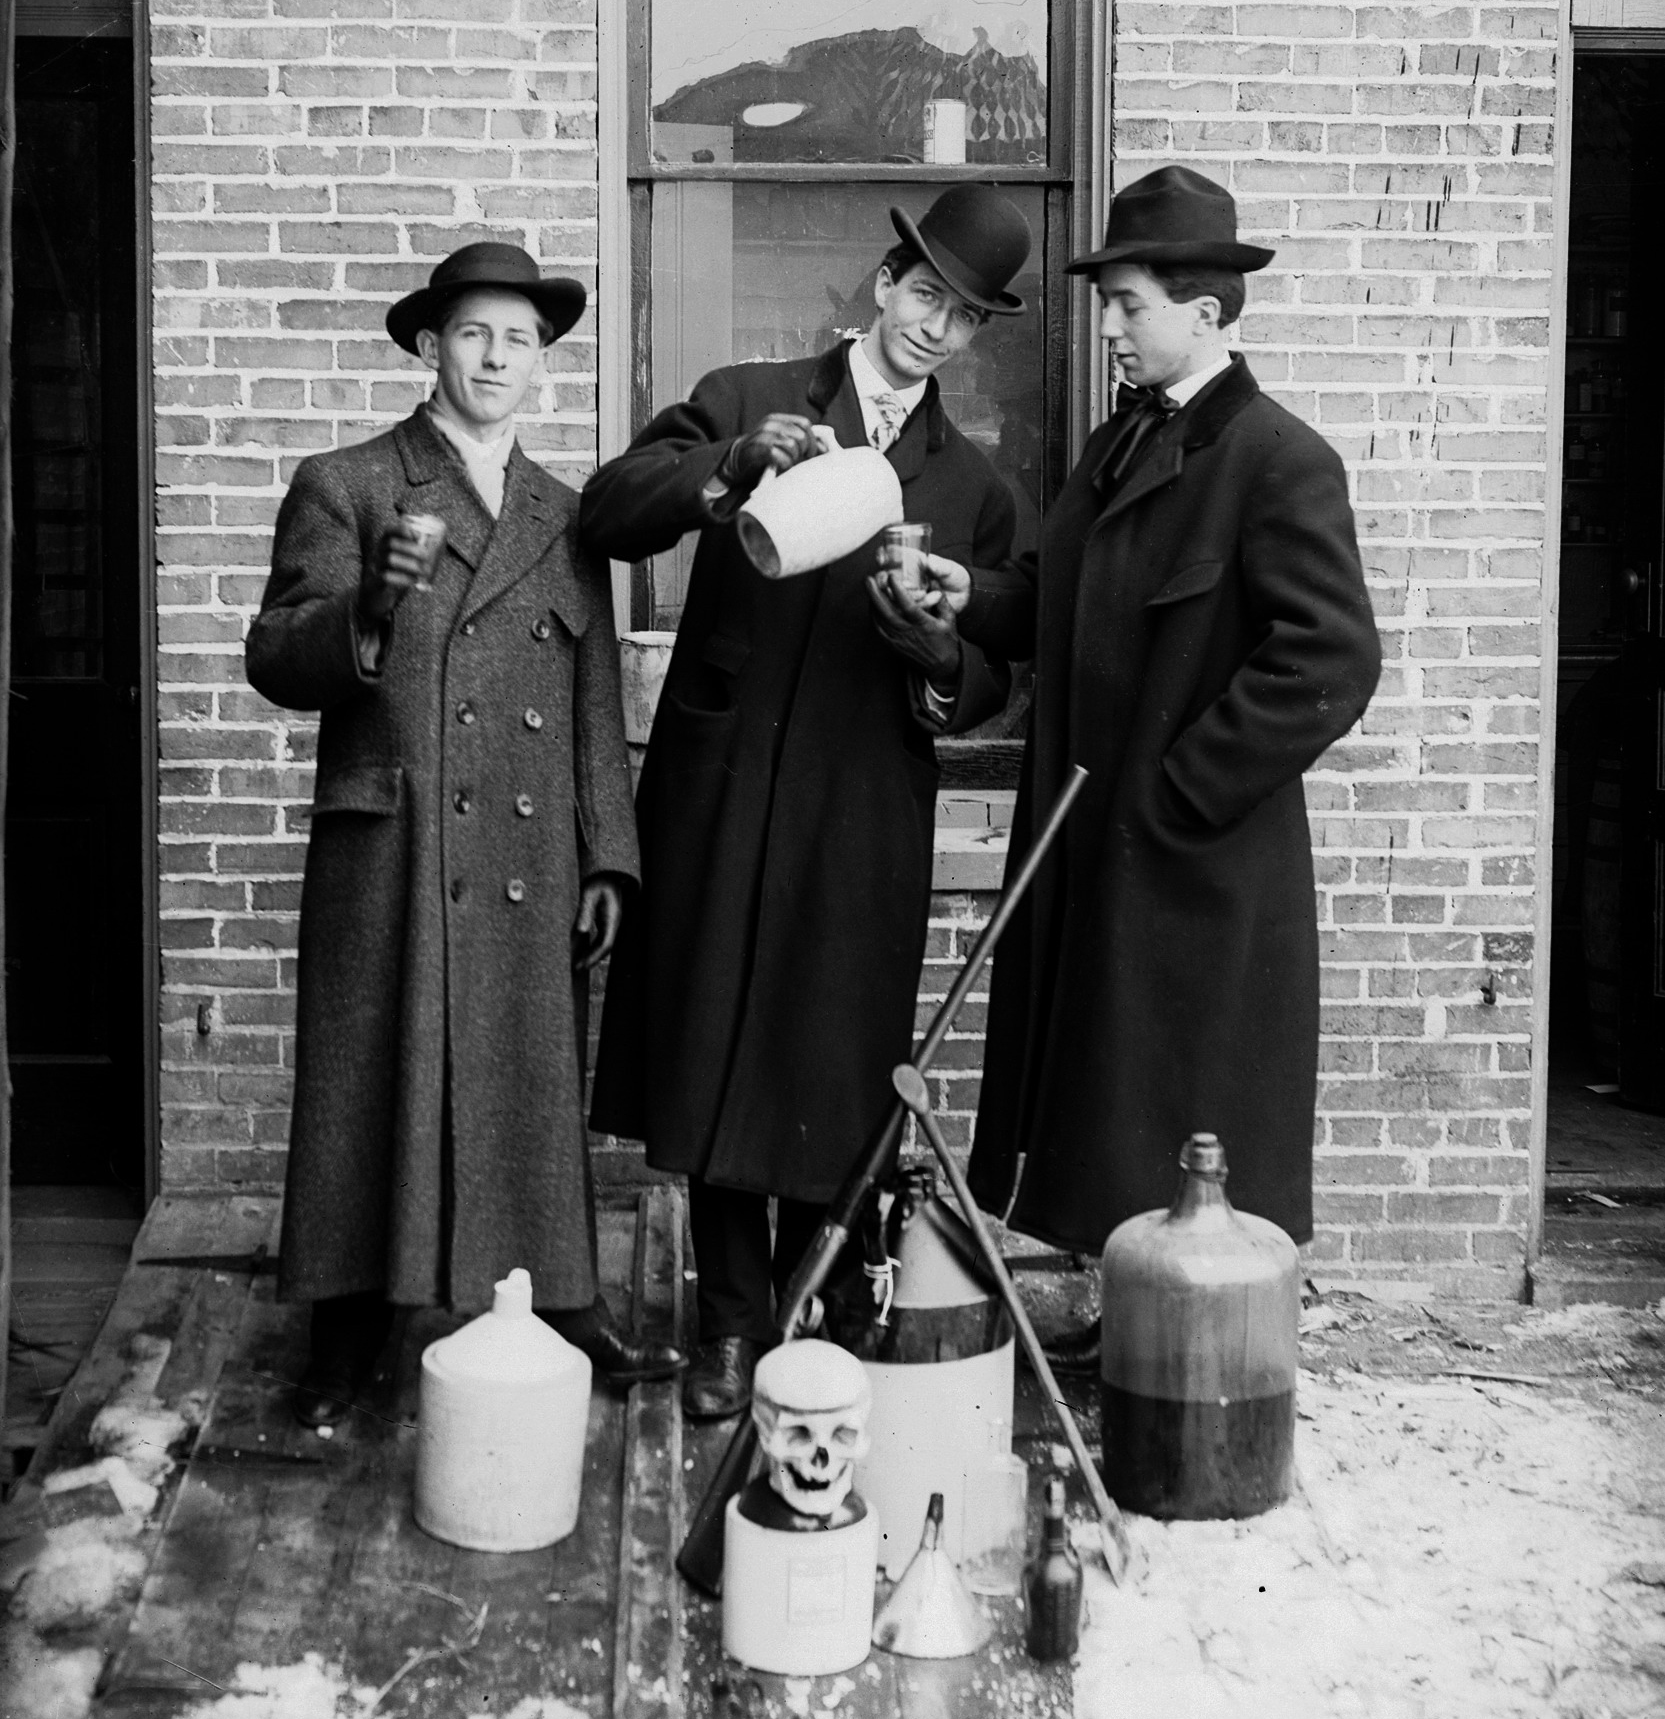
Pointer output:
x,y
849,80
55,455
767,271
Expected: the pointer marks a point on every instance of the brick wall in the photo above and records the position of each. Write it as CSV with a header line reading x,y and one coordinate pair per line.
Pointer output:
x,y
314,157
1399,158
312,160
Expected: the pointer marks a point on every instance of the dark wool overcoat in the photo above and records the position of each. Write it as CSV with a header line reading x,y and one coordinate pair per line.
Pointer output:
x,y
463,793
1201,634
764,984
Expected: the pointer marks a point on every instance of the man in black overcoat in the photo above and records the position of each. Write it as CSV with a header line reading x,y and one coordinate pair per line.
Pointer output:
x,y
1201,633
472,841
764,986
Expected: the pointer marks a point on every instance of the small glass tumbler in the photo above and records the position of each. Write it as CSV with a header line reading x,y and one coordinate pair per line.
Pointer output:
x,y
903,548
994,1529
428,532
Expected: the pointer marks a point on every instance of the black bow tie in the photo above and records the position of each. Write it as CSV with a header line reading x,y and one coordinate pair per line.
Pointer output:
x,y
1142,415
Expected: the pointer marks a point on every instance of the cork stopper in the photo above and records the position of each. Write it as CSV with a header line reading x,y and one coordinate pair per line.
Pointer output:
x,y
1203,1155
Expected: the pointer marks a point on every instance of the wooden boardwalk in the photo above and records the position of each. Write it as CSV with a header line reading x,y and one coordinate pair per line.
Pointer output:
x,y
272,1544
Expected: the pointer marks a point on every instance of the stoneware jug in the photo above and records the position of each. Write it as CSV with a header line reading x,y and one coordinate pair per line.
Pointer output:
x,y
504,1407
1202,1306
938,1353
818,512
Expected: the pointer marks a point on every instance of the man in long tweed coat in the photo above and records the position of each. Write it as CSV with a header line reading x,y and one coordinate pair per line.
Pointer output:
x,y
472,841
764,988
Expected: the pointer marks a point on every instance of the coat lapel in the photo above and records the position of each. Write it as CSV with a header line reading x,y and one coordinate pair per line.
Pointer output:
x,y
525,529
924,432
440,486
833,395
1194,428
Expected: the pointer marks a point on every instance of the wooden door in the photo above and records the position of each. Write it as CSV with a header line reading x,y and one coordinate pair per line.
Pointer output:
x,y
74,979
1641,79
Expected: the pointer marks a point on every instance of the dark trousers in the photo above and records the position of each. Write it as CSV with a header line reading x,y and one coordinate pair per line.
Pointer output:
x,y
737,1266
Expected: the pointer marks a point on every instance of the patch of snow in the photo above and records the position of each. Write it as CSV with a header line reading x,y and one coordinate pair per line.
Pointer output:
x,y
1452,1550
43,1683
84,1567
313,1689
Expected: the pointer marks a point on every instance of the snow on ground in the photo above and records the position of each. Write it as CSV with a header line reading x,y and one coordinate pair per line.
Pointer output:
x,y
1458,1547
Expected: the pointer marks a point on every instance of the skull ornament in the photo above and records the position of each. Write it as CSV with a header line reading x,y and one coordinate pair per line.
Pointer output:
x,y
810,1401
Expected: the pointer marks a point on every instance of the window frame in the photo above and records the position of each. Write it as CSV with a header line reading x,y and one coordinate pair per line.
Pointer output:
x,y
1073,180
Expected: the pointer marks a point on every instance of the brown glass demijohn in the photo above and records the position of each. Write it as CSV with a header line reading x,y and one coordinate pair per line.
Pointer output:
x,y
1201,1317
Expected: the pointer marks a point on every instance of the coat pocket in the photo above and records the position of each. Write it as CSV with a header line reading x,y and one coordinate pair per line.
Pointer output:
x,y
569,608
375,788
1190,581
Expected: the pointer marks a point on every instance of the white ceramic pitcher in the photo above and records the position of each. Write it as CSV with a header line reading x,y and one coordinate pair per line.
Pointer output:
x,y
819,511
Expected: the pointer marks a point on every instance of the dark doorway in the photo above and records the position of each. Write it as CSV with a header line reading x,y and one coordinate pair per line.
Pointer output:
x,y
74,899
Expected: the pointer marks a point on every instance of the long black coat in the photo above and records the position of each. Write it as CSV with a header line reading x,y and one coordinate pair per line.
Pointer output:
x,y
462,795
1202,633
763,987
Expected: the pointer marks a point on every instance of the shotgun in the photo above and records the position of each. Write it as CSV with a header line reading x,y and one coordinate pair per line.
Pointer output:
x,y
701,1559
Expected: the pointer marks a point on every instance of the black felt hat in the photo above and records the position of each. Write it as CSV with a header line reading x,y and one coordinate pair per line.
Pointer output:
x,y
559,301
976,240
1174,215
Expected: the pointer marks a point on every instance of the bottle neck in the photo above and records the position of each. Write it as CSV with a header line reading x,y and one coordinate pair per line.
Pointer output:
x,y
1201,1199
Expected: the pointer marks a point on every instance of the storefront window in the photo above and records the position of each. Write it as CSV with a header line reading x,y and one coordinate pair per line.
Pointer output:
x,y
771,139
850,80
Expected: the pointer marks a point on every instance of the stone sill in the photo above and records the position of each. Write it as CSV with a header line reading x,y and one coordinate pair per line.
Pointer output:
x,y
973,828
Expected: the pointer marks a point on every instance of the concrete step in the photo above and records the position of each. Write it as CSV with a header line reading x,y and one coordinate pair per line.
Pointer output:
x,y
1599,1253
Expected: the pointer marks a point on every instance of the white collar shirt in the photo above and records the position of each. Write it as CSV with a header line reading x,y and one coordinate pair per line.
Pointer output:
x,y
1184,392
487,463
870,385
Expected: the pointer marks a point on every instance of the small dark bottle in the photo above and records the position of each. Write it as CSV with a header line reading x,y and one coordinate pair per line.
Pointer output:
x,y
1052,1586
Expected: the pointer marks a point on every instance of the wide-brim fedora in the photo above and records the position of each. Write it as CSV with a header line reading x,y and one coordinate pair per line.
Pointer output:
x,y
1173,215
976,240
558,300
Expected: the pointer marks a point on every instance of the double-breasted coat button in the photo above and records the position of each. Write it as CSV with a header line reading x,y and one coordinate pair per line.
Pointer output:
x,y
515,889
465,713
533,720
461,800
523,805
540,628
457,887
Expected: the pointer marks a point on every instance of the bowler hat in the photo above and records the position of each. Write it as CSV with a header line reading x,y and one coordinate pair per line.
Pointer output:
x,y
1173,215
976,240
559,301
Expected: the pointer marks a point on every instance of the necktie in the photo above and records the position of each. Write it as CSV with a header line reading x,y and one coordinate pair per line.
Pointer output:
x,y
892,416
1144,416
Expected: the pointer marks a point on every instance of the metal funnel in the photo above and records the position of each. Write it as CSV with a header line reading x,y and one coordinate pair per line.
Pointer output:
x,y
930,1615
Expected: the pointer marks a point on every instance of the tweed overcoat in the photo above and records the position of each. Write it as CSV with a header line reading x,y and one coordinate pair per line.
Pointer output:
x,y
463,793
1201,634
763,987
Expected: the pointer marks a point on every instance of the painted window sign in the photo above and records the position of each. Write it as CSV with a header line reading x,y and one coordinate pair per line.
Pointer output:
x,y
850,81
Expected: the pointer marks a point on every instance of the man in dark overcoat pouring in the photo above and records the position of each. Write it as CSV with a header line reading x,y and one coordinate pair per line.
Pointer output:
x,y
472,841
764,987
1201,633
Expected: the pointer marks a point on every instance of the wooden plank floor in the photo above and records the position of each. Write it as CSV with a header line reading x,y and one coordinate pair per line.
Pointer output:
x,y
279,1544
69,1251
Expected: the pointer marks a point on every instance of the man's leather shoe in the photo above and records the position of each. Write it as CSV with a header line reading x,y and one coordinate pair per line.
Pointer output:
x,y
348,1332
324,1396
719,1383
621,1360
1076,1351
